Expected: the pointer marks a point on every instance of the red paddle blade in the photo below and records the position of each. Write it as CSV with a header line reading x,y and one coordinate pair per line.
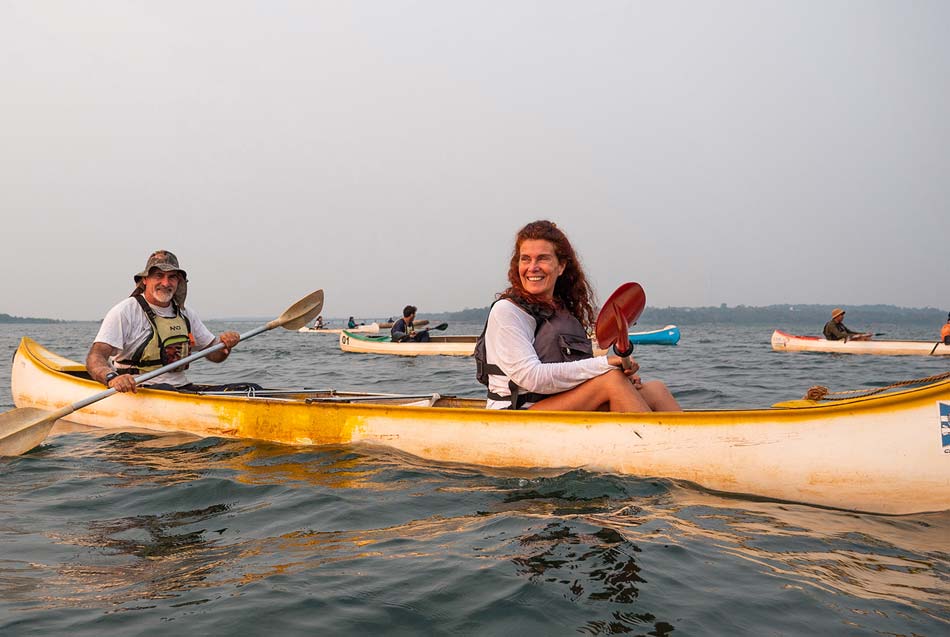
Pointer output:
x,y
621,310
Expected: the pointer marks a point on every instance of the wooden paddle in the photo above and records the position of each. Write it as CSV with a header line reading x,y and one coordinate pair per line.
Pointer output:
x,y
621,311
24,428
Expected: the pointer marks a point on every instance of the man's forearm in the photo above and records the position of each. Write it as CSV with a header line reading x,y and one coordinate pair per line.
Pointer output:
x,y
98,367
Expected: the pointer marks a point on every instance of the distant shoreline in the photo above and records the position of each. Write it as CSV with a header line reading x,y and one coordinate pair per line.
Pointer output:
x,y
777,315
6,318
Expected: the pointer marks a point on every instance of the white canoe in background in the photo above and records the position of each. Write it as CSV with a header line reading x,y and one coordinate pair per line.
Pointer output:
x,y
369,328
437,346
784,342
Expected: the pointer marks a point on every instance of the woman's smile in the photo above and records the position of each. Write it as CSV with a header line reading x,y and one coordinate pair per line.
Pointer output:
x,y
539,267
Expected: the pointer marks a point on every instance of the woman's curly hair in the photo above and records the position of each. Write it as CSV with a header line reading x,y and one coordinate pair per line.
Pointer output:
x,y
571,291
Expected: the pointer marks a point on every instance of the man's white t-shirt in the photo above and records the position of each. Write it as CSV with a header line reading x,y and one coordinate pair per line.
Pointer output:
x,y
509,343
126,328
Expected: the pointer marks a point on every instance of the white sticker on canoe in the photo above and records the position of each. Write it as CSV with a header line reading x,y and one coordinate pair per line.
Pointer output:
x,y
945,426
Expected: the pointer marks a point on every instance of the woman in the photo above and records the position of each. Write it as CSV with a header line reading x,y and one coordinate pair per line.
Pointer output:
x,y
536,343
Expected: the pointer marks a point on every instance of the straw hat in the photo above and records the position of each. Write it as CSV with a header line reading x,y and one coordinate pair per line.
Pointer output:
x,y
166,262
835,313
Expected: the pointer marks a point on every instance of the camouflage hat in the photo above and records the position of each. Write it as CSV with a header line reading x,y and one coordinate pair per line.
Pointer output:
x,y
166,262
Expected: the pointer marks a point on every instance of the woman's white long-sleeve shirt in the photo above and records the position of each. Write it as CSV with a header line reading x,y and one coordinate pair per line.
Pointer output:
x,y
509,344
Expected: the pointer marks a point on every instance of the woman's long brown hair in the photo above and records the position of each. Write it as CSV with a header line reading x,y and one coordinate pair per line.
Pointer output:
x,y
571,290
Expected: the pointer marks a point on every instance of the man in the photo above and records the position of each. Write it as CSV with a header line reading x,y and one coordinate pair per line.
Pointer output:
x,y
835,330
152,328
403,330
945,331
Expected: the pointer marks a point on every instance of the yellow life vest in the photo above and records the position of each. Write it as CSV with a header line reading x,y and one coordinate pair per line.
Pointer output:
x,y
171,340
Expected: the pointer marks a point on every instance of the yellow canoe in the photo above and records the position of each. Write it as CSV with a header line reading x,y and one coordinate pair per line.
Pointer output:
x,y
885,454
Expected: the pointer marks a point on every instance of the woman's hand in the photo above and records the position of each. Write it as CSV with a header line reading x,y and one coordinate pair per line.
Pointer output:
x,y
616,361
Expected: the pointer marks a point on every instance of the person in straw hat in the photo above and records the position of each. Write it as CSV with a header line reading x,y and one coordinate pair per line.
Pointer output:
x,y
152,328
835,330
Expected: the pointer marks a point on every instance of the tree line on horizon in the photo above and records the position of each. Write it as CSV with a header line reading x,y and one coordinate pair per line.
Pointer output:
x,y
6,318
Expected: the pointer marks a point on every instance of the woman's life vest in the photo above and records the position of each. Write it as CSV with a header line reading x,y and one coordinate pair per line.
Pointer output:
x,y
170,340
558,338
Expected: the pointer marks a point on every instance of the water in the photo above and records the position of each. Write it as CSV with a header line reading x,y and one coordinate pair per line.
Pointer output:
x,y
136,533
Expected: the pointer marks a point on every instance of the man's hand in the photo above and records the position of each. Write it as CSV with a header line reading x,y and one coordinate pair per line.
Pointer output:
x,y
230,339
123,383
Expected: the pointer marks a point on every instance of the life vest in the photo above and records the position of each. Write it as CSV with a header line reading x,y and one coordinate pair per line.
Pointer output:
x,y
401,331
170,340
558,338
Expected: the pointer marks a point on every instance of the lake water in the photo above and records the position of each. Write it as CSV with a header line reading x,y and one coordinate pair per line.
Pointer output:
x,y
134,534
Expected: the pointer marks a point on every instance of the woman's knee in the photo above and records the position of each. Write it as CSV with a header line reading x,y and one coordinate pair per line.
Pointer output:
x,y
659,396
616,377
655,386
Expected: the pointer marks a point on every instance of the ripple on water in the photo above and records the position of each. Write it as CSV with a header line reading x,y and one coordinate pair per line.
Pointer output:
x,y
142,533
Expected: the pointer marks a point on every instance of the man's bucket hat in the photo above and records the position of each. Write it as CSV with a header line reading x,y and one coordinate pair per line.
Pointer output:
x,y
166,262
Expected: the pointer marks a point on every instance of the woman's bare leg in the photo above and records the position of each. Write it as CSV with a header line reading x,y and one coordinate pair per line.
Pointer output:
x,y
613,389
657,395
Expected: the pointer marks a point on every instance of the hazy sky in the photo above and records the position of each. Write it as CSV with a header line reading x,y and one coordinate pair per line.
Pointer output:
x,y
387,151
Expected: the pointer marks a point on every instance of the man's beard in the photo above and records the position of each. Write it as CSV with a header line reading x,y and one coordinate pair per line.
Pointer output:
x,y
164,295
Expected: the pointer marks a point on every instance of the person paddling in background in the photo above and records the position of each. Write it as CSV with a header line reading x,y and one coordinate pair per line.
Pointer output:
x,y
835,330
536,340
403,330
318,324
152,328
945,331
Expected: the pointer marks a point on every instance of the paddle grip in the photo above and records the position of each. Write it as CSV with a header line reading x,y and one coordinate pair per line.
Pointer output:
x,y
624,355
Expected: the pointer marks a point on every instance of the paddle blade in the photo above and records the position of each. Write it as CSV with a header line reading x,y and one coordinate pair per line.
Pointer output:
x,y
621,310
24,428
300,313
441,327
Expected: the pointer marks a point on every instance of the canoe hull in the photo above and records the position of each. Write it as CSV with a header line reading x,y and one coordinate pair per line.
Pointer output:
x,y
437,346
784,342
385,325
369,328
669,335
881,454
